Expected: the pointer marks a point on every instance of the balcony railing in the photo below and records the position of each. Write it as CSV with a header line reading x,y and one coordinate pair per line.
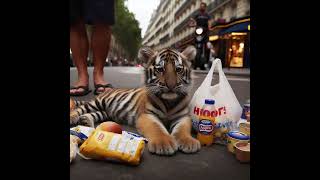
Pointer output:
x,y
215,5
211,8
159,21
164,39
184,23
165,26
184,6
166,4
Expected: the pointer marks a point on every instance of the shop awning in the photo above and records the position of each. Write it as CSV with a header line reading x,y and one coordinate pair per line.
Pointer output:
x,y
241,27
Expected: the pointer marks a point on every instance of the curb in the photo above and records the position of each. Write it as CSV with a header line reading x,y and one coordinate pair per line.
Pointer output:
x,y
246,74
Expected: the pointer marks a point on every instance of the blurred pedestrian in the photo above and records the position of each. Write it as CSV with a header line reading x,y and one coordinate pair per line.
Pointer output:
x,y
99,14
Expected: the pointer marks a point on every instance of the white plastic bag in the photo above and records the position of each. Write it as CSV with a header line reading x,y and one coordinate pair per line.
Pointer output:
x,y
227,108
74,140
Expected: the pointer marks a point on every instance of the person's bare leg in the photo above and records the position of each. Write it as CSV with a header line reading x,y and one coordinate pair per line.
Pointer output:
x,y
80,47
100,42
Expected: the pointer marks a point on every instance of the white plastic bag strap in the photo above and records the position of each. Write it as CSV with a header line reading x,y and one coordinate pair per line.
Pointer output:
x,y
223,81
222,77
207,81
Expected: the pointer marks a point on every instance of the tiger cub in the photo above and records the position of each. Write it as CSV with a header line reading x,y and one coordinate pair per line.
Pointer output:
x,y
158,110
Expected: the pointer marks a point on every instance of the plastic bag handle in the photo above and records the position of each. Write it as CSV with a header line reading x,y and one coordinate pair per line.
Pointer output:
x,y
207,81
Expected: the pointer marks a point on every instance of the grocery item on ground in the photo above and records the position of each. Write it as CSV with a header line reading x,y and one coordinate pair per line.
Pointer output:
x,y
103,145
220,134
248,116
242,150
244,127
82,132
135,135
206,124
78,135
110,126
246,111
74,141
236,136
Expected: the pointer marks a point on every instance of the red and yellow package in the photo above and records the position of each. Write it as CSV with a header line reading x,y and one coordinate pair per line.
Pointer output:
x,y
104,145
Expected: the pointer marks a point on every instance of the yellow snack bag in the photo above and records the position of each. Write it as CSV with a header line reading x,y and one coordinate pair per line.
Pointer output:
x,y
103,145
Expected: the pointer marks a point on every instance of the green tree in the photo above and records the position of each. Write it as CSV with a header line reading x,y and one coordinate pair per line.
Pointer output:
x,y
126,29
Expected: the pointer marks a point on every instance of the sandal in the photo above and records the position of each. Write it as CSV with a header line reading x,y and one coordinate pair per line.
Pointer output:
x,y
97,86
82,93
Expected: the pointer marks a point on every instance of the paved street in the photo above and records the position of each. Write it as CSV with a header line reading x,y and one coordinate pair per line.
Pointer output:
x,y
131,77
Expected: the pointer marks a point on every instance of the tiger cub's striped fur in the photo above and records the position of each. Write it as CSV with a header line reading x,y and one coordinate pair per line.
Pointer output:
x,y
159,110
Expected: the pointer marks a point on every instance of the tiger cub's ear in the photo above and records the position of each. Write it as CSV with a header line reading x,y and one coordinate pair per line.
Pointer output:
x,y
189,53
145,55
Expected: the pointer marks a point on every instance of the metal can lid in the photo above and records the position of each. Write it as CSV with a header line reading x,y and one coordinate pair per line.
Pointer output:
x,y
238,135
209,101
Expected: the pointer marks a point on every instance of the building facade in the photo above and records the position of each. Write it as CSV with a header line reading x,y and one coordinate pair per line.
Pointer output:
x,y
168,27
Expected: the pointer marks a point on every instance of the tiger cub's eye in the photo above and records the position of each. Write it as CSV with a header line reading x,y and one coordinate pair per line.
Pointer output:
x,y
179,69
159,69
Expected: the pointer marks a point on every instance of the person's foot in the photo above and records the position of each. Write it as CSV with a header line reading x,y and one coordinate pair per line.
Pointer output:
x,y
99,80
82,81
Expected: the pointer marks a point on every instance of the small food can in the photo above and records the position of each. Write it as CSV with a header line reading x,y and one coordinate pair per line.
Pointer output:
x,y
245,110
242,151
245,128
234,137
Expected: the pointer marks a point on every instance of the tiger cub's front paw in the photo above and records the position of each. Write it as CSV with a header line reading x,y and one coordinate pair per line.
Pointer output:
x,y
164,145
188,144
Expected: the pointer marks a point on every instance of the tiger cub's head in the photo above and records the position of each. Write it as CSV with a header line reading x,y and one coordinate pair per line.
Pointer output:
x,y
168,72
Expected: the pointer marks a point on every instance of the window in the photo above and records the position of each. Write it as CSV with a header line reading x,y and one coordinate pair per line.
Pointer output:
x,y
234,10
